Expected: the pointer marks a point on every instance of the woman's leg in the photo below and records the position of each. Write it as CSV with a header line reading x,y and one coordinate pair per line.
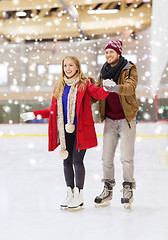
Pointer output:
x,y
78,157
68,162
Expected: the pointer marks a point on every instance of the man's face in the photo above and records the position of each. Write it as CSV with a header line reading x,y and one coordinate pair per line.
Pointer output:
x,y
112,56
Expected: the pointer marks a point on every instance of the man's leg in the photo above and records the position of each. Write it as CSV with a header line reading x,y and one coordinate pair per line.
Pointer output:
x,y
127,146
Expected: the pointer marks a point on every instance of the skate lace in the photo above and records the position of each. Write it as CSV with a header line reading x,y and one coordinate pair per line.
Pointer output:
x,y
67,197
127,192
105,192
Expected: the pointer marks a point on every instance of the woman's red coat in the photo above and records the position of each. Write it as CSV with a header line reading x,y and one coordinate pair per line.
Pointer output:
x,y
85,134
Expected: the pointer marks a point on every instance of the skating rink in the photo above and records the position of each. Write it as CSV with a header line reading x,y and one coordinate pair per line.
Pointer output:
x,y
32,187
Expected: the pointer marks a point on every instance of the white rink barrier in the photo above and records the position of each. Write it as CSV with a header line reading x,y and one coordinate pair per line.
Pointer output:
x,y
156,129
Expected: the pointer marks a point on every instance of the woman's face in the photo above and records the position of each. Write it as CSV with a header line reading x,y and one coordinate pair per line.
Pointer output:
x,y
70,68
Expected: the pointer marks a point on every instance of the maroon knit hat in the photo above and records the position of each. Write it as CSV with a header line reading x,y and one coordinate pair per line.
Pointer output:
x,y
115,45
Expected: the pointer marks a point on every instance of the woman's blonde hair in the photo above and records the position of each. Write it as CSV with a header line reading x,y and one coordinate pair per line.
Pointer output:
x,y
59,88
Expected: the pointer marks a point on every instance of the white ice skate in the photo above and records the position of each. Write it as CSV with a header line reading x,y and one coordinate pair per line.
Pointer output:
x,y
77,201
64,204
104,199
127,198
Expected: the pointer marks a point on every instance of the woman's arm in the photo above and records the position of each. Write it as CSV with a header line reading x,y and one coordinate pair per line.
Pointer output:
x,y
44,113
96,92
39,114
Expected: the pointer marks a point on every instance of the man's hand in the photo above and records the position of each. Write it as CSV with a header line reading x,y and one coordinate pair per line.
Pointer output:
x,y
110,85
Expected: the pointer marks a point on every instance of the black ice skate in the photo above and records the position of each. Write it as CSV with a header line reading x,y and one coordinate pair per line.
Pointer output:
x,y
127,198
105,197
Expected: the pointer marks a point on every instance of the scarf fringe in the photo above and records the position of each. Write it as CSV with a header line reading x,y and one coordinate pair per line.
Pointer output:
x,y
70,128
63,154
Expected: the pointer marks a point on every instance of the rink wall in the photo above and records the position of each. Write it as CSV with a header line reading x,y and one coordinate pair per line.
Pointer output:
x,y
157,129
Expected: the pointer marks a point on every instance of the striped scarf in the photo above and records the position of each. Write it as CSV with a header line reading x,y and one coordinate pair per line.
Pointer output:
x,y
69,127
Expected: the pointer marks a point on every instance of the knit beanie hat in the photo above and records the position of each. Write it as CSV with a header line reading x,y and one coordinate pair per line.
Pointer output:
x,y
116,45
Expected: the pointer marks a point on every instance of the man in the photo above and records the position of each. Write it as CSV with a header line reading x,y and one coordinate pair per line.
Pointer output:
x,y
119,111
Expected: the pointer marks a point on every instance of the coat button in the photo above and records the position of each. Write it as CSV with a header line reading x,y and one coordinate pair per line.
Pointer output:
x,y
80,130
80,115
80,145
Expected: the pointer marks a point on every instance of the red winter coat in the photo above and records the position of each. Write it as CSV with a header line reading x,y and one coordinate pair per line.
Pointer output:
x,y
85,134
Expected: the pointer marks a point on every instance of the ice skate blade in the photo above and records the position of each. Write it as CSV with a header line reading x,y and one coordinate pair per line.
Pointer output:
x,y
104,204
127,205
75,209
63,207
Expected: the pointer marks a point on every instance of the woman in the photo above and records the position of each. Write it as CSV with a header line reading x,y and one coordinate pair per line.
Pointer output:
x,y
71,125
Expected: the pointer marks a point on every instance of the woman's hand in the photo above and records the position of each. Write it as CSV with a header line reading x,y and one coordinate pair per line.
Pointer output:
x,y
27,116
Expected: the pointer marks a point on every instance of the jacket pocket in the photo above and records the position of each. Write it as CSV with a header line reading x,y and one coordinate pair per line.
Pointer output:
x,y
89,131
131,103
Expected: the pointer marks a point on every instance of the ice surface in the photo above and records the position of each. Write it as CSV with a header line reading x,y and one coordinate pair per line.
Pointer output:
x,y
32,187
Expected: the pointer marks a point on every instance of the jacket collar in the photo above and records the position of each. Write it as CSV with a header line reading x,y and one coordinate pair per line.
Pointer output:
x,y
129,65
